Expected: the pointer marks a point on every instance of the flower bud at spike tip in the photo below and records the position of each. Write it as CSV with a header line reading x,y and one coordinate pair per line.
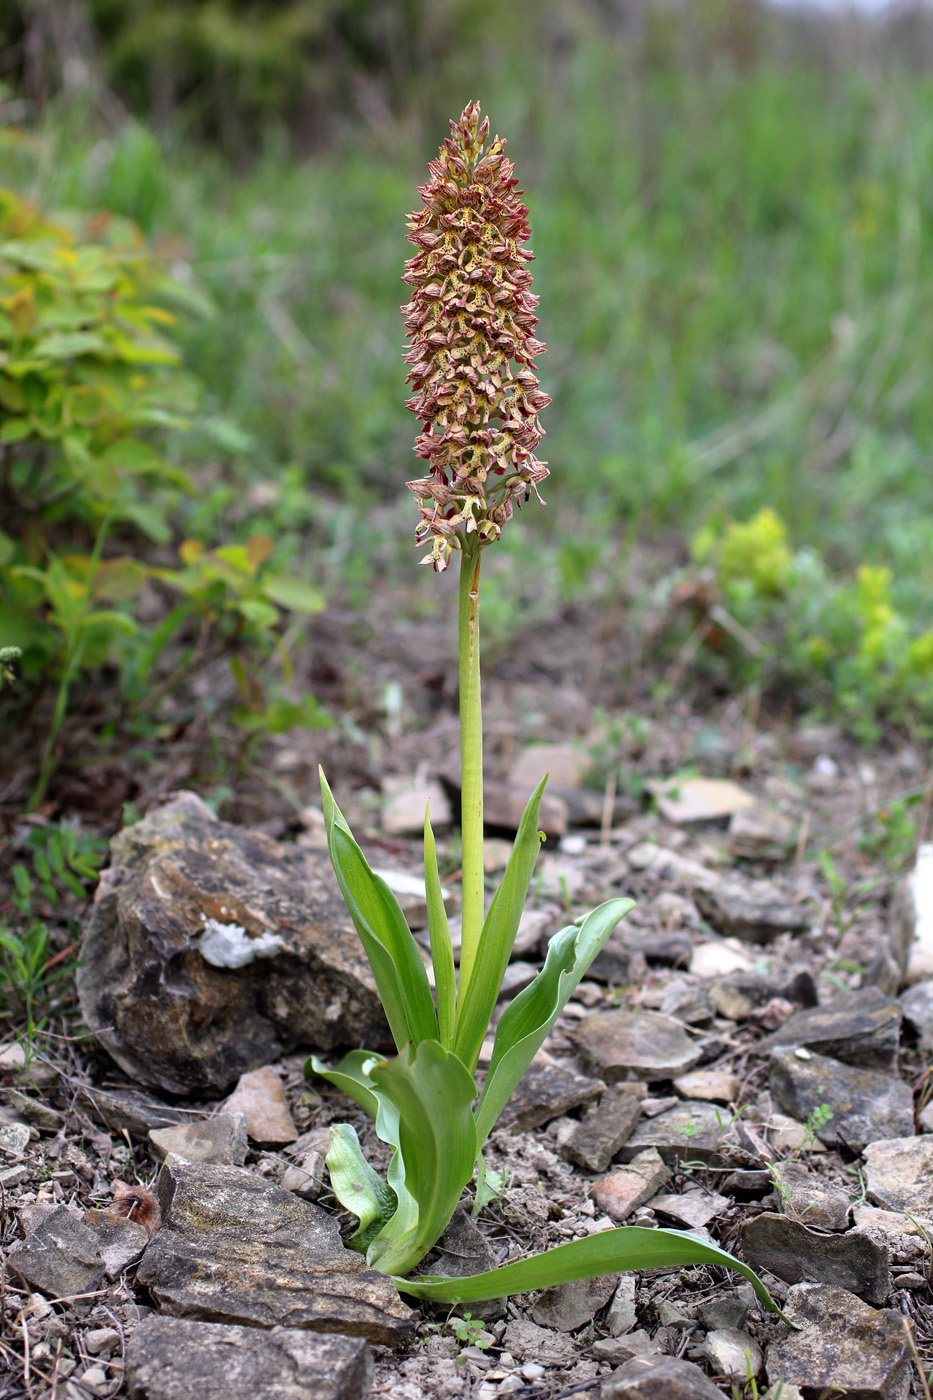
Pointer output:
x,y
470,324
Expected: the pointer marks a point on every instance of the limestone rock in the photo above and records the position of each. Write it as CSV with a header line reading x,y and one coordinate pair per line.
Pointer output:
x,y
865,1105
818,1204
260,1097
683,800
622,1191
171,1358
123,1111
546,1091
602,1130
899,1174
790,1251
60,1257
569,1306
659,1378
863,1029
688,1130
754,910
565,765
219,1139
643,1045
404,802
503,806
232,1248
733,1353
692,1210
844,1346
211,948
120,1242
713,1085
917,1007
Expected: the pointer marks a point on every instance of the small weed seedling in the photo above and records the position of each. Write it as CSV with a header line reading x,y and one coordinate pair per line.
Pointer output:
x,y
475,392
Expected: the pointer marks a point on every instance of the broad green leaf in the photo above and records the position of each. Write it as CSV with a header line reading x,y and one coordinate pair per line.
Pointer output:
x,y
442,955
356,1185
349,1077
292,593
499,930
433,1093
529,1017
387,940
613,1251
63,345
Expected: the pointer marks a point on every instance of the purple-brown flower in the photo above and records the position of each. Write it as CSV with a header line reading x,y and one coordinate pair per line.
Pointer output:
x,y
470,324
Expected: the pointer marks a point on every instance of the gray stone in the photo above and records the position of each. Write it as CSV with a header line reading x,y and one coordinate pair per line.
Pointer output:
x,y
790,1251
754,910
659,1378
220,1139
529,1342
865,1105
569,1306
564,764
306,1178
733,1354
693,1209
36,1113
232,1248
713,1085
175,1359
728,1311
123,1111
899,1174
621,1314
643,1045
624,1190
503,806
818,1204
260,1097
863,1029
843,1346
60,1257
211,949
692,1130
404,802
120,1242
604,1127
14,1138
547,1091
618,1350
740,992
917,1007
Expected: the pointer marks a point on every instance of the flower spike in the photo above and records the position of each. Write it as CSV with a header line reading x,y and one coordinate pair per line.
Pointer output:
x,y
470,322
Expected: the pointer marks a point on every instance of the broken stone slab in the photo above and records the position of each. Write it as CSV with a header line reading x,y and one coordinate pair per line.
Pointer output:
x,y
170,1358
618,1350
713,1085
688,1130
862,1029
789,1250
404,803
622,1191
899,1174
123,1111
219,1139
305,1178
569,1306
40,1115
565,765
528,1342
686,800
917,1009
547,1091
912,918
820,1205
602,1130
621,1314
755,911
694,1209
843,1346
644,1045
865,1105
659,1378
60,1258
734,1354
260,1097
212,948
15,1138
503,806
233,1248
120,1242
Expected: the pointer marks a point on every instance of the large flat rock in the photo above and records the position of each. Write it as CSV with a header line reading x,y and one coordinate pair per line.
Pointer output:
x,y
863,1029
621,1045
212,949
171,1358
235,1249
843,1347
865,1105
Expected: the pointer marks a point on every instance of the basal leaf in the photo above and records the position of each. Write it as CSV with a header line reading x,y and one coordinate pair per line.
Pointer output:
x,y
387,940
356,1185
613,1251
528,1019
499,930
442,956
349,1076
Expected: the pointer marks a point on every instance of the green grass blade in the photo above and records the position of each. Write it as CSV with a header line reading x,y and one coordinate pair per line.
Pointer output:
x,y
433,1094
499,930
387,940
442,955
527,1020
613,1251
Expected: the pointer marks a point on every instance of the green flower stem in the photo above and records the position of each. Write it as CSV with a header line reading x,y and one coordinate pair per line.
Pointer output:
x,y
471,761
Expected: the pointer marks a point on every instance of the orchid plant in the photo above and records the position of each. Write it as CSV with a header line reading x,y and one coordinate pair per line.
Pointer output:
x,y
472,356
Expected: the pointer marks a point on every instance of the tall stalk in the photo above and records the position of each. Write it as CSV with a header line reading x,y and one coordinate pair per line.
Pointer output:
x,y
471,760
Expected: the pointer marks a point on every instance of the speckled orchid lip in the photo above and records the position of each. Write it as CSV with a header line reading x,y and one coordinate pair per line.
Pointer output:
x,y
470,325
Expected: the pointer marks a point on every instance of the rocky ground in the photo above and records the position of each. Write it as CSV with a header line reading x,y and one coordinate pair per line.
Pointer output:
x,y
748,1059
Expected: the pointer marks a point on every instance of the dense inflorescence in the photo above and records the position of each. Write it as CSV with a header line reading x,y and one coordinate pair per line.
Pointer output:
x,y
470,323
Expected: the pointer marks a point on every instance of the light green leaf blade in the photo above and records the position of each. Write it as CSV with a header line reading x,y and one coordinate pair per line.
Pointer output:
x,y
433,1093
387,940
613,1251
349,1077
528,1019
442,954
499,930
356,1185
